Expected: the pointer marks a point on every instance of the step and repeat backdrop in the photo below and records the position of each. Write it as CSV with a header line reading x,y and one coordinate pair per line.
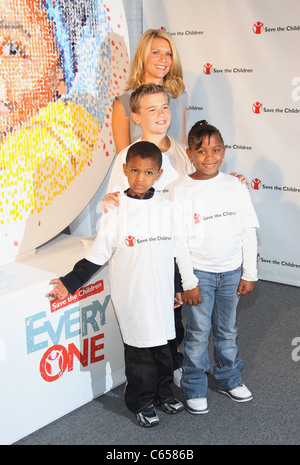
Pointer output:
x,y
241,68
62,62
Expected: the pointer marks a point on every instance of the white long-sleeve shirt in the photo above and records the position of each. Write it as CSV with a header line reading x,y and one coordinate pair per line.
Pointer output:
x,y
138,240
215,227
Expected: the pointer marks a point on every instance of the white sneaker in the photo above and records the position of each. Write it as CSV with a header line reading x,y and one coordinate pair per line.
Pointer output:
x,y
197,406
239,394
177,375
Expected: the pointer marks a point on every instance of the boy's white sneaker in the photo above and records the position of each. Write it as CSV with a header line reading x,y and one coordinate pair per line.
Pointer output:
x,y
197,406
239,394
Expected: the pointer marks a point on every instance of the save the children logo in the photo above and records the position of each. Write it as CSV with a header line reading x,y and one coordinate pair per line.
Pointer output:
x,y
271,261
130,241
196,218
257,108
258,27
54,363
257,184
207,68
82,293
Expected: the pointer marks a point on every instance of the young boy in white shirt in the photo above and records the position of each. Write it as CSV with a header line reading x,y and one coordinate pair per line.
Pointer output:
x,y
138,241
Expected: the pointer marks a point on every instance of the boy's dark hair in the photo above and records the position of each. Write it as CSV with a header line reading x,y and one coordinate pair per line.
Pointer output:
x,y
144,150
200,130
145,89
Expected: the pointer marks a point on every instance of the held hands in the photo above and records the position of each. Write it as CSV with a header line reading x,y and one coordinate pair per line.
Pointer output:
x,y
245,287
192,296
59,292
178,300
110,201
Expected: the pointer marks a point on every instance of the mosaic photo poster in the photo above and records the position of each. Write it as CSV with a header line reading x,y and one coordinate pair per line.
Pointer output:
x,y
62,62
241,69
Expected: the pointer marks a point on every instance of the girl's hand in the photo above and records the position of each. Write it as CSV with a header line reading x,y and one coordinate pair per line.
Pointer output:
x,y
192,296
245,287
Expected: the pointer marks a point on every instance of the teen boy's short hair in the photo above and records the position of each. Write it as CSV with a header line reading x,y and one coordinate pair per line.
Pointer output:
x,y
145,89
144,150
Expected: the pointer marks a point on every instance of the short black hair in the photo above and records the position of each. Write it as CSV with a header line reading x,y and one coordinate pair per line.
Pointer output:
x,y
145,149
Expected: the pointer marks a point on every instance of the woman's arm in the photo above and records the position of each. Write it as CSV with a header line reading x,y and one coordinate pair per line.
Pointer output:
x,y
184,138
120,126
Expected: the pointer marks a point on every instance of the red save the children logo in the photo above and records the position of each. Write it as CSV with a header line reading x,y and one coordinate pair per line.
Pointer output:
x,y
258,27
54,363
82,293
256,184
257,108
58,359
130,241
197,218
207,68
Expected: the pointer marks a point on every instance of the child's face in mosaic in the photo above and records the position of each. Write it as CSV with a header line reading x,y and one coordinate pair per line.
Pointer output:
x,y
29,72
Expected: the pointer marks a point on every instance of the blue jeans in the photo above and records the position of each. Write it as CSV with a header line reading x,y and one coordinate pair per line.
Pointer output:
x,y
217,310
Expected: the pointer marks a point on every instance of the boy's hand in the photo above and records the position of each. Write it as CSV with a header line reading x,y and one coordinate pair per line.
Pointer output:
x,y
110,201
242,179
192,296
59,292
245,287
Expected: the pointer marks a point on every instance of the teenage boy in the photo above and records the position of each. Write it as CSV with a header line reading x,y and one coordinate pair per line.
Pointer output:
x,y
137,239
150,108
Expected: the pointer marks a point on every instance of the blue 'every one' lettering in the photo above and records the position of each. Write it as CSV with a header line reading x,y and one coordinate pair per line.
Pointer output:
x,y
88,316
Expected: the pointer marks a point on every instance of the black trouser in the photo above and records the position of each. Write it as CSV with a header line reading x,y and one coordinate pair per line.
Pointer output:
x,y
149,372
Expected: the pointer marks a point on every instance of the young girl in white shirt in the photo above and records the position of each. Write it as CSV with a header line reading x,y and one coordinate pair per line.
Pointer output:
x,y
216,224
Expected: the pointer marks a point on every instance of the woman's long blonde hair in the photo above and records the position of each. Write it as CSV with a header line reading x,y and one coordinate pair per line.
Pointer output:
x,y
173,81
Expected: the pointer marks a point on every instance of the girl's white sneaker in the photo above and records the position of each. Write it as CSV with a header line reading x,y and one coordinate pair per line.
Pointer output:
x,y
239,394
197,406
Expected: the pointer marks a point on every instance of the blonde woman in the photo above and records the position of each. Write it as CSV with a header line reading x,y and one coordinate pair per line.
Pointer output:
x,y
156,60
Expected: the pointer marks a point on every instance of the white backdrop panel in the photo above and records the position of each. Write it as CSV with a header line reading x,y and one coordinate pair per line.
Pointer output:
x,y
241,69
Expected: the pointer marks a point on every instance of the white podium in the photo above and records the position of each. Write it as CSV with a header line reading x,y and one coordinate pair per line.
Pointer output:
x,y
54,356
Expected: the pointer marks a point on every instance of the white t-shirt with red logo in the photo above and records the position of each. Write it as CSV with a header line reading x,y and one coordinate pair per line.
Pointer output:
x,y
215,227
138,239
